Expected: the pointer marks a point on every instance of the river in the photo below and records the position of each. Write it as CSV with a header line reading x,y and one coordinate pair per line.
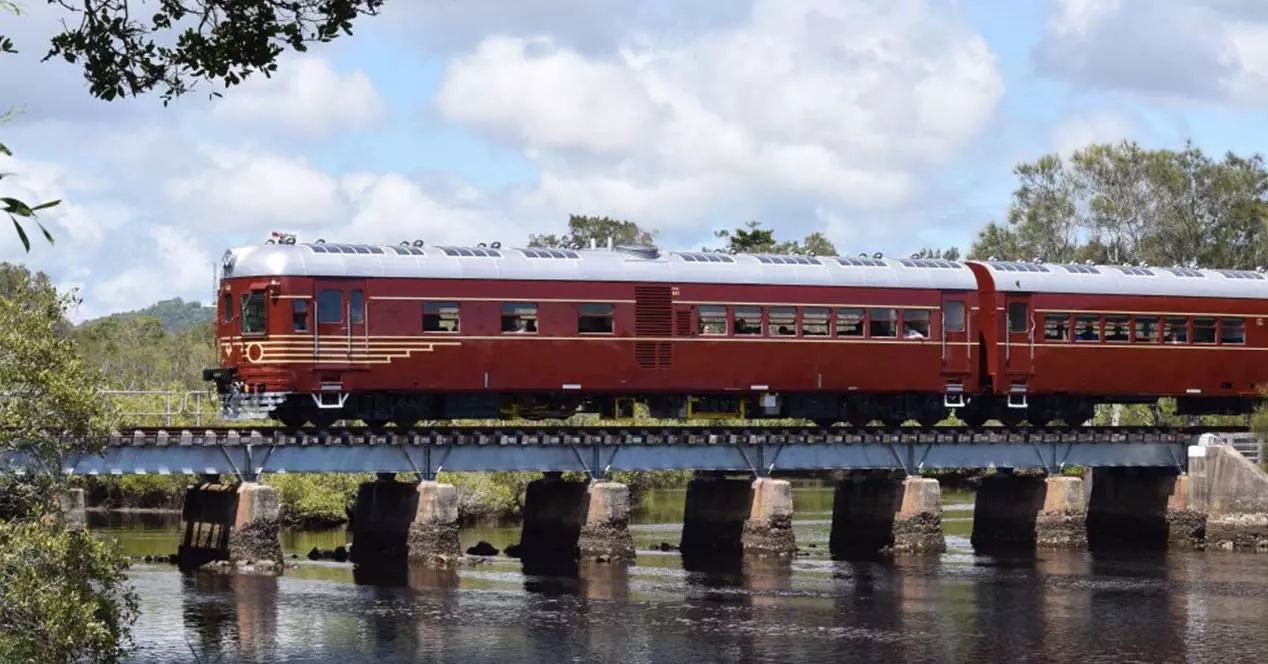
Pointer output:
x,y
956,607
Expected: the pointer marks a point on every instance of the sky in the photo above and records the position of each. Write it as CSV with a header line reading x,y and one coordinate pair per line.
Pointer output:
x,y
889,125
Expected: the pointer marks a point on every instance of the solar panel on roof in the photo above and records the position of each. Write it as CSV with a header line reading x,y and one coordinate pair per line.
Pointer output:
x,y
1241,274
408,251
1185,272
776,259
1011,266
1080,269
471,252
549,253
1135,271
704,257
934,263
860,261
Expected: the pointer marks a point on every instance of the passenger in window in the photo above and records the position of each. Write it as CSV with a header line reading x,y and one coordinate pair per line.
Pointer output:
x,y
1087,333
910,332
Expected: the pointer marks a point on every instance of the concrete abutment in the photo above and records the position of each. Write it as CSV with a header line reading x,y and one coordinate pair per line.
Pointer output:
x,y
237,523
1235,494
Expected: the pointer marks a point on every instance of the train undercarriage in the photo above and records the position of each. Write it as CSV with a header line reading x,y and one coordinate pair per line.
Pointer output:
x,y
405,410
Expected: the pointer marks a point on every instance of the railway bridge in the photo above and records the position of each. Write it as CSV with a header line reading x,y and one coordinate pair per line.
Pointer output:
x,y
1150,487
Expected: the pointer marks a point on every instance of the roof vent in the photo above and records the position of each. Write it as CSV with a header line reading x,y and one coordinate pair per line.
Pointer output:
x,y
640,250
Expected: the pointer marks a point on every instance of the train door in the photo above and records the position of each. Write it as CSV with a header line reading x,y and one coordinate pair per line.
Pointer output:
x,y
340,321
955,335
1019,334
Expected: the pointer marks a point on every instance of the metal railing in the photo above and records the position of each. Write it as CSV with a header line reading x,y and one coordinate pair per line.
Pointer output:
x,y
166,407
1248,444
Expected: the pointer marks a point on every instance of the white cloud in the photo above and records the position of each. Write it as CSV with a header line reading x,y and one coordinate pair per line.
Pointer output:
x,y
1076,132
840,101
306,96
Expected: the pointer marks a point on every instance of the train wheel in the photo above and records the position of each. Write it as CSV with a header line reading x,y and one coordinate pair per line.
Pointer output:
x,y
323,419
291,418
1012,417
375,425
404,423
928,420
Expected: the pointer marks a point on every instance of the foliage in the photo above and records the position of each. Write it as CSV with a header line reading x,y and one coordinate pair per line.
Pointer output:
x,y
752,238
16,209
174,315
583,231
63,595
316,500
1123,204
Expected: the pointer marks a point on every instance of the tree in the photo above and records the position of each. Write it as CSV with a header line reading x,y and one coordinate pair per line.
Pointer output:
x,y
952,254
753,239
1120,203
62,592
582,231
128,49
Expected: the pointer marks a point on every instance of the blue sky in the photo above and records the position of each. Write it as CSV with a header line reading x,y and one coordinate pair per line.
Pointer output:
x,y
889,125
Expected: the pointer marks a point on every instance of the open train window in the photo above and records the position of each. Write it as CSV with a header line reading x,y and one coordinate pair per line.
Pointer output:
x,y
953,316
1056,327
1087,328
253,312
814,322
330,306
1176,331
783,321
883,323
1232,331
441,317
1203,330
712,321
916,324
299,315
1146,330
748,320
519,318
1018,317
1117,329
594,318
849,322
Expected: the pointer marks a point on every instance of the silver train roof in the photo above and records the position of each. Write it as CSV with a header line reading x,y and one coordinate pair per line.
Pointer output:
x,y
645,264
621,264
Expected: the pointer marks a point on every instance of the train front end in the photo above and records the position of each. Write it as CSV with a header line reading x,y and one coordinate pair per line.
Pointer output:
x,y
253,377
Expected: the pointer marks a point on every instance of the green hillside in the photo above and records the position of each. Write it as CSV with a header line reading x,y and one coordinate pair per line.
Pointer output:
x,y
175,315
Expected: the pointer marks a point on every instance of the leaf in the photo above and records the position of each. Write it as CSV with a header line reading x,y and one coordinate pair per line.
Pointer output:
x,y
22,234
45,206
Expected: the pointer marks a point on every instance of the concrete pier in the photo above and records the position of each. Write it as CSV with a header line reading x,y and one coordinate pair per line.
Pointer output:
x,y
1129,508
72,503
433,534
605,536
1186,515
554,511
1062,522
256,524
768,529
1235,492
876,513
381,519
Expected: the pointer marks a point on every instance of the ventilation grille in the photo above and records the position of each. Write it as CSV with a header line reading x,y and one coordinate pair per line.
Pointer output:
x,y
653,317
682,323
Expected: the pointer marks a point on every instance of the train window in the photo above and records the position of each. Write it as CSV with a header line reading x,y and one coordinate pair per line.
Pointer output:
x,y
1176,331
783,321
1203,330
814,322
441,317
884,323
1018,317
228,313
299,315
519,318
1056,327
1116,328
1232,331
330,306
1146,330
748,320
1087,328
356,307
916,324
594,318
953,316
712,321
849,322
253,312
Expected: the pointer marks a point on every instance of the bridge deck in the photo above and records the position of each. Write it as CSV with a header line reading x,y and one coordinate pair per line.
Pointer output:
x,y
761,450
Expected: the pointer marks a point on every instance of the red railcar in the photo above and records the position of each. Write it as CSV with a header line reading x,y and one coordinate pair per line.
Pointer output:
x,y
318,332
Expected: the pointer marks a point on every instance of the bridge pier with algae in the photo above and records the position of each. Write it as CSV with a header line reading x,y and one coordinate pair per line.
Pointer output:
x,y
397,521
567,521
237,523
875,512
728,517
